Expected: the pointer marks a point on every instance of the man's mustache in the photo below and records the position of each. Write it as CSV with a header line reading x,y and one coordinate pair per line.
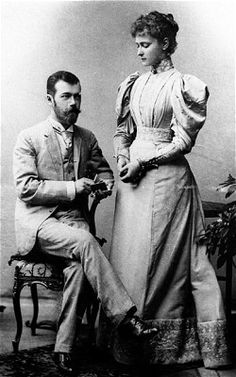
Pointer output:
x,y
73,111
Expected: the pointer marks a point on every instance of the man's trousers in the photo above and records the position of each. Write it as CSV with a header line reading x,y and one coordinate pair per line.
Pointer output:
x,y
85,266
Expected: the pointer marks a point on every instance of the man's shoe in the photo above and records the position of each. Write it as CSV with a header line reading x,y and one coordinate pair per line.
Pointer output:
x,y
64,362
134,326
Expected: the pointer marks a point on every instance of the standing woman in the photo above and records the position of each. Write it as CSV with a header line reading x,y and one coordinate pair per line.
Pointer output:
x,y
158,214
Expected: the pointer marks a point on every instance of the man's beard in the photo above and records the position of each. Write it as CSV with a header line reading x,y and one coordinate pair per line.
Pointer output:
x,y
66,118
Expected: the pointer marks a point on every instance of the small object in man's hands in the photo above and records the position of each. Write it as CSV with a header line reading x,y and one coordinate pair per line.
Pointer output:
x,y
122,173
99,186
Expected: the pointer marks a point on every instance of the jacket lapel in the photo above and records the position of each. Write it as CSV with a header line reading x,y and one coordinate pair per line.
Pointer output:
x,y
54,149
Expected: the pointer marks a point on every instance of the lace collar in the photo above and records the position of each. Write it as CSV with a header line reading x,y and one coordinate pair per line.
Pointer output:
x,y
163,66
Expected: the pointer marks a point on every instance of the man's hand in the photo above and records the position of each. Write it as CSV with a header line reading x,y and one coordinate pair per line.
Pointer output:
x,y
83,186
129,172
109,183
102,194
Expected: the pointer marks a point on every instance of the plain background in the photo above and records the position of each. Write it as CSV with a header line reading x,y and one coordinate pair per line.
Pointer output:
x,y
92,40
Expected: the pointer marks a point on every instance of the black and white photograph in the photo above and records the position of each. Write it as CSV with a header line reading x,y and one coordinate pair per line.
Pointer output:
x,y
118,189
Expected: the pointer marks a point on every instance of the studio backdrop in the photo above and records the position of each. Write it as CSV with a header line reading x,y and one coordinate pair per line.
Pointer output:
x,y
92,40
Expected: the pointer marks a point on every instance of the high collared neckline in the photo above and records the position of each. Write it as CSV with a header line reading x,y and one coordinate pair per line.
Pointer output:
x,y
59,127
164,65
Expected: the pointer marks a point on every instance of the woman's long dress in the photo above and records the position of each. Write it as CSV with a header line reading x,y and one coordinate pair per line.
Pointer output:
x,y
157,222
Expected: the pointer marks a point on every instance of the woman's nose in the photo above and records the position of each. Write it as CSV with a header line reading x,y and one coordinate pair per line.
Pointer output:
x,y
140,51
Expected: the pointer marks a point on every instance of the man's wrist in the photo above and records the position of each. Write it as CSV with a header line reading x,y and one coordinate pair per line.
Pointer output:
x,y
71,190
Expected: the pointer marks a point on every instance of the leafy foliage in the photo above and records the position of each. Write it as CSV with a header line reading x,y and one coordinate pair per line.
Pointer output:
x,y
229,186
220,236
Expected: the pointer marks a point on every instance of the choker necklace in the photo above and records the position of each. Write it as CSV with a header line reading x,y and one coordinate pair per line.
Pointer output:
x,y
163,66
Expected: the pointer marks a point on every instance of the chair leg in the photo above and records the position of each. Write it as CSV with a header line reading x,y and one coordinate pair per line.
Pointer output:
x,y
91,314
17,310
47,324
34,295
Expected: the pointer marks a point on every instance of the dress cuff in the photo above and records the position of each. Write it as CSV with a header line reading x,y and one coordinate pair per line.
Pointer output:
x,y
71,192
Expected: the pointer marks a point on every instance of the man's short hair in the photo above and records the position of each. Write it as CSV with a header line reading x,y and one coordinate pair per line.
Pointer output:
x,y
57,76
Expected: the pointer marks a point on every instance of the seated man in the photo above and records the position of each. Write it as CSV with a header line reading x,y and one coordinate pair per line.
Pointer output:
x,y
51,164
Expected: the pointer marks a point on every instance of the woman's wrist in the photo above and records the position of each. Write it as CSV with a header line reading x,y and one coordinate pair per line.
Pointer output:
x,y
141,164
147,164
121,156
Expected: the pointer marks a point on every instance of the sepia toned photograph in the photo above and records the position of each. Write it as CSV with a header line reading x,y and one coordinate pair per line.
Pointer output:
x,y
118,189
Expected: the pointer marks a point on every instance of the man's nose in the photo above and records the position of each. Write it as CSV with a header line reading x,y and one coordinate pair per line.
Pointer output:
x,y
72,101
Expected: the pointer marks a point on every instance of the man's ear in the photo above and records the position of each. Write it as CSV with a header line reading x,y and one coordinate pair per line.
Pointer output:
x,y
50,99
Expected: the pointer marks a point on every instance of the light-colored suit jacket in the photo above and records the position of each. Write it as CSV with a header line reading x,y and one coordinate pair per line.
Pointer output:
x,y
38,174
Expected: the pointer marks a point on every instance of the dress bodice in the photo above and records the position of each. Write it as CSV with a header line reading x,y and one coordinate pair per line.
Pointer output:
x,y
150,99
167,105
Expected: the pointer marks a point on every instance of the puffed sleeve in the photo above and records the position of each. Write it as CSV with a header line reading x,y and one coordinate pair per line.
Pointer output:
x,y
126,129
189,98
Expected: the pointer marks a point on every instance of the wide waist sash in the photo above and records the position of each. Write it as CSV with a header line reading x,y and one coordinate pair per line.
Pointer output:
x,y
155,135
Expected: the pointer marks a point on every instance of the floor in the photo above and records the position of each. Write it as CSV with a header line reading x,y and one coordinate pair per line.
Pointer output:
x,y
8,325
47,337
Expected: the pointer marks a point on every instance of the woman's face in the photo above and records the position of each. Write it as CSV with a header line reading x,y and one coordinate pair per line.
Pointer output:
x,y
150,50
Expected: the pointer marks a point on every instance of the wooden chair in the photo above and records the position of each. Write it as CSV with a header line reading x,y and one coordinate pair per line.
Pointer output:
x,y
31,271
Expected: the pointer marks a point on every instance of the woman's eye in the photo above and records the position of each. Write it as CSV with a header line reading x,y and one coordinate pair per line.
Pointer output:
x,y
143,45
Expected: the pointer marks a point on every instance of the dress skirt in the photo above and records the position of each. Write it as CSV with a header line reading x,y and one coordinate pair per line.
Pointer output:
x,y
156,253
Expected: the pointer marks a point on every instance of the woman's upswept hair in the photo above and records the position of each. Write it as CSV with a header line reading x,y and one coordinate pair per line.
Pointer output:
x,y
159,26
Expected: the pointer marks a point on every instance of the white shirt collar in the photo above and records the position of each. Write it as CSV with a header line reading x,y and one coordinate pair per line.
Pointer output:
x,y
58,126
